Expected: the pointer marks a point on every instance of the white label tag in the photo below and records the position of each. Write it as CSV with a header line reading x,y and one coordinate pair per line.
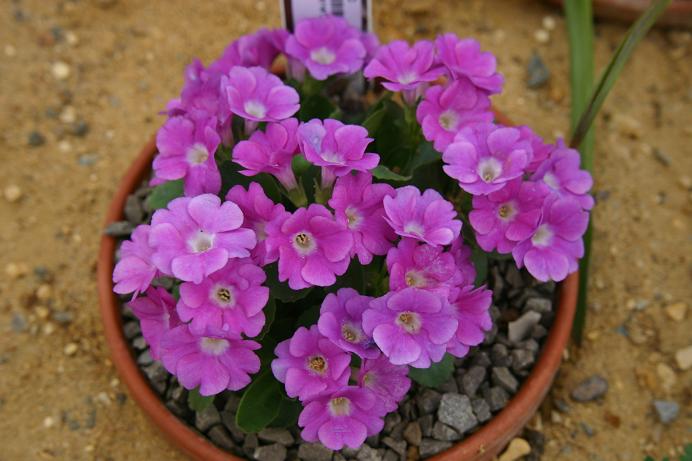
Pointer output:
x,y
358,13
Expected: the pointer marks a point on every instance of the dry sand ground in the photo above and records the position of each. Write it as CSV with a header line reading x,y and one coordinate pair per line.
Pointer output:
x,y
60,397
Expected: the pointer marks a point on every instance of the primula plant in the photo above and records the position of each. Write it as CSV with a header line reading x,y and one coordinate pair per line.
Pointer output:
x,y
326,230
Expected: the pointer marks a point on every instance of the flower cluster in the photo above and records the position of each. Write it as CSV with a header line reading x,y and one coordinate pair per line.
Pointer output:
x,y
278,200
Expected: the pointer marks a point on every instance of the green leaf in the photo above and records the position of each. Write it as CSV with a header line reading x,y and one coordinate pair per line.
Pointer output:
x,y
289,410
384,173
425,154
434,376
308,317
374,120
315,106
480,262
269,315
258,406
198,402
281,290
622,54
164,193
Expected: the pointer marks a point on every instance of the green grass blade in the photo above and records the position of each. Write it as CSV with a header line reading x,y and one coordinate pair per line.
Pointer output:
x,y
579,19
612,72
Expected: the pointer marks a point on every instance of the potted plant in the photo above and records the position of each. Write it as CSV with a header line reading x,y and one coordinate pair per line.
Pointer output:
x,y
338,257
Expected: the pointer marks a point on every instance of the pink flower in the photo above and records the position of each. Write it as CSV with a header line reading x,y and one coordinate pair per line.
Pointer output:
x,y
229,300
390,383
472,308
200,97
419,265
197,236
337,148
135,271
562,174
258,211
256,95
344,417
466,271
270,152
313,248
404,68
156,313
446,110
326,45
464,58
213,362
186,150
503,218
427,217
555,247
310,364
357,204
340,321
539,149
411,326
258,49
486,157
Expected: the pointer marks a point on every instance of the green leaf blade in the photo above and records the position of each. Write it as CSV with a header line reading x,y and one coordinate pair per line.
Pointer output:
x,y
163,194
199,402
434,376
259,405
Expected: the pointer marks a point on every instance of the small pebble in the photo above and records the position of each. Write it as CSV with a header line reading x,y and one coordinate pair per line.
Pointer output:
x,y
18,323
274,452
662,157
429,447
10,51
12,193
590,389
119,229
60,70
205,419
517,448
537,74
314,452
541,36
71,349
456,411
520,328
548,23
16,270
48,422
667,410
413,434
36,139
677,311
683,357
44,292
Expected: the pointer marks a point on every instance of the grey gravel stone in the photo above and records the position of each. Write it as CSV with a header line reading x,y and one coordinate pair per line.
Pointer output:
x,y
408,409
445,433
144,358
18,322
390,421
499,355
398,431
540,305
63,318
448,386
228,420
398,446
413,433
339,457
588,430
221,438
667,410
274,452
537,73
501,376
429,447
134,212
481,359
391,455
522,359
119,229
428,401
314,452
139,343
481,409
132,329
36,139
590,389
207,418
561,406
520,328
456,411
276,434
250,444
538,332
367,453
157,376
472,379
426,425
497,398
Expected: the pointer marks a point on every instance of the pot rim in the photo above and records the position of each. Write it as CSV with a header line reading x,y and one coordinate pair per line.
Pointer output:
x,y
489,440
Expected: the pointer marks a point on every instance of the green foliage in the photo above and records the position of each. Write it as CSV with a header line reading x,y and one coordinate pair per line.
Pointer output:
x,y
164,193
434,376
586,105
384,173
198,402
281,290
258,405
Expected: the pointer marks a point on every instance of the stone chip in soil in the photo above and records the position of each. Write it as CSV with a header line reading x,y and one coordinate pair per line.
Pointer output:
x,y
590,389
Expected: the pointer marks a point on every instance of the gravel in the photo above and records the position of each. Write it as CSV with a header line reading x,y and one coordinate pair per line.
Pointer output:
x,y
502,377
36,139
119,229
666,410
590,389
537,74
278,435
413,433
472,379
314,452
275,452
521,328
445,433
428,401
456,411
207,418
429,447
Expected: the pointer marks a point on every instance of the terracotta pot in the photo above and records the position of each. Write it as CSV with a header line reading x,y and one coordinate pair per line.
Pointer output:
x,y
678,13
480,446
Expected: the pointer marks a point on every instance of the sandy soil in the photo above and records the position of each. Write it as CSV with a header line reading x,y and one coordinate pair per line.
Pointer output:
x,y
60,397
